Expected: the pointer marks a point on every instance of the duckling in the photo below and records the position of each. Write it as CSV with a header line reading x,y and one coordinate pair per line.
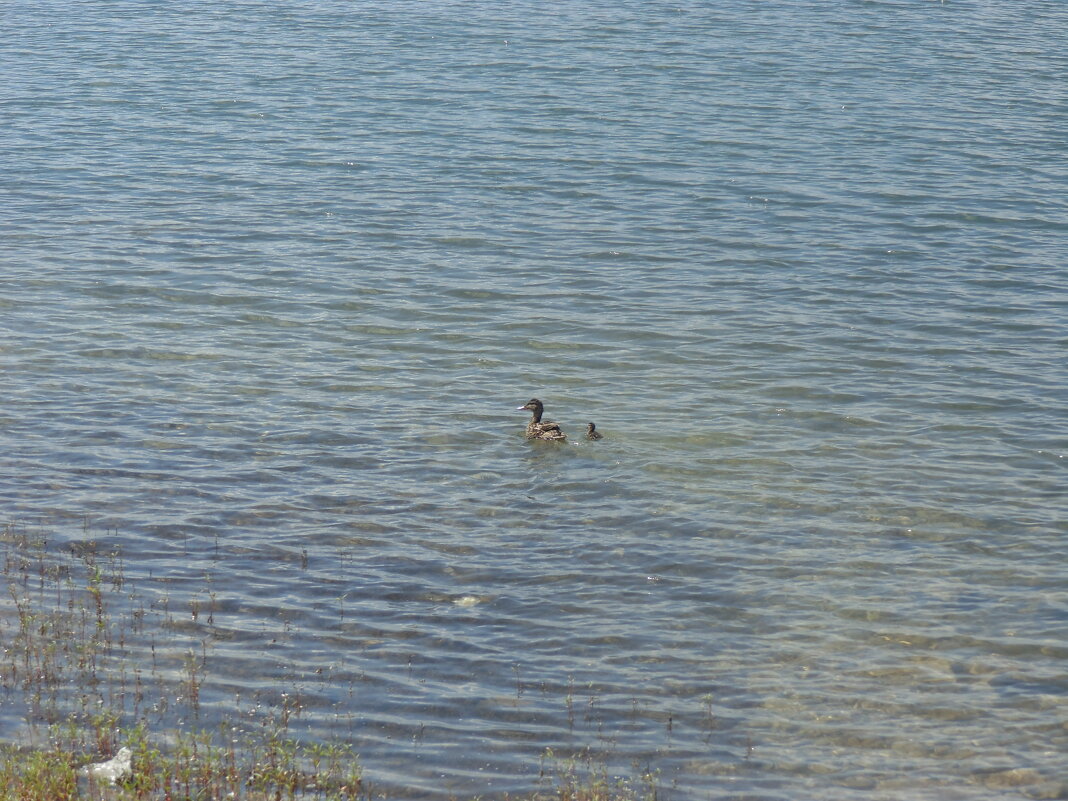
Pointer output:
x,y
592,432
536,429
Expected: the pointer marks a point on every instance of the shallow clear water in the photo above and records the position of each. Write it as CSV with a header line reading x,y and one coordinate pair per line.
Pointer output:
x,y
276,276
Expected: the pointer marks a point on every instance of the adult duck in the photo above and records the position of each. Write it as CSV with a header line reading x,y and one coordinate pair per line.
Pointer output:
x,y
538,428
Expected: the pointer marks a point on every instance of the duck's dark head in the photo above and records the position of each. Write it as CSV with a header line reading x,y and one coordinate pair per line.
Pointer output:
x,y
590,428
532,405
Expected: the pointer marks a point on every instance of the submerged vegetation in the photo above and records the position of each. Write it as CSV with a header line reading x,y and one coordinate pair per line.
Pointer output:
x,y
81,678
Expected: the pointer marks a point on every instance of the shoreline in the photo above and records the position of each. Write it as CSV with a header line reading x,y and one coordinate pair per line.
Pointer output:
x,y
74,685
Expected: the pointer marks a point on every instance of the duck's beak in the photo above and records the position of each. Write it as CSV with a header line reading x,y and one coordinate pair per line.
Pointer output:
x,y
520,408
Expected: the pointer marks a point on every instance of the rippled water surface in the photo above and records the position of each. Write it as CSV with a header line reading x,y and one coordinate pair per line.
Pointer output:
x,y
276,275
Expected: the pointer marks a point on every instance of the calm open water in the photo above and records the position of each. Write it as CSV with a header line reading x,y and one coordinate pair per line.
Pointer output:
x,y
276,275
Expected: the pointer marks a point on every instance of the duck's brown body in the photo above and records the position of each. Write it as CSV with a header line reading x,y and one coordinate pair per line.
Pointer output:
x,y
538,428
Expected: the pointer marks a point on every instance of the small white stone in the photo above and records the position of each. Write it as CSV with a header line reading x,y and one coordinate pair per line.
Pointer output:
x,y
113,770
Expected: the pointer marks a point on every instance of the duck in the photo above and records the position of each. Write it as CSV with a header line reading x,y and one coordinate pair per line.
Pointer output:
x,y
592,432
539,429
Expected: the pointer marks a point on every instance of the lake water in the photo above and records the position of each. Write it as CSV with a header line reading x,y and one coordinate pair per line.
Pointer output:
x,y
275,277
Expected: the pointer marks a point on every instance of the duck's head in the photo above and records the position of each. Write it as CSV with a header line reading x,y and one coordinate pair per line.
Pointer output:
x,y
590,427
533,405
